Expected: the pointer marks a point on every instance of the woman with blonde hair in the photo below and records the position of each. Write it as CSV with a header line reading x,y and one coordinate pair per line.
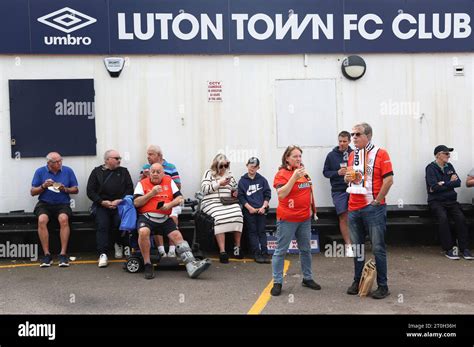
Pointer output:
x,y
218,183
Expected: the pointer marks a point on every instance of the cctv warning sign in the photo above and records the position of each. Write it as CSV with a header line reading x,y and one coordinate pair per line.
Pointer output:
x,y
214,91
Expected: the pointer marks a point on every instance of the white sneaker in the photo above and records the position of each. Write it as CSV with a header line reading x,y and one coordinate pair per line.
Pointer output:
x,y
172,253
118,251
349,251
103,260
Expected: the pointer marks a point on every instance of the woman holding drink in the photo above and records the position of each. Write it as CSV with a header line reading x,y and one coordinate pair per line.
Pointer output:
x,y
295,206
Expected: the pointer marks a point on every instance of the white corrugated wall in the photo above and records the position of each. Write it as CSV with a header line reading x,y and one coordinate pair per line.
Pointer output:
x,y
412,101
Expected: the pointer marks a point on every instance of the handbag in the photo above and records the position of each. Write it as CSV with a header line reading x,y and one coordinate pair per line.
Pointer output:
x,y
227,200
369,274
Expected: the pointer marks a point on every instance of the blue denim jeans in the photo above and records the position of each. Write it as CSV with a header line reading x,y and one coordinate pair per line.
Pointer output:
x,y
371,220
286,231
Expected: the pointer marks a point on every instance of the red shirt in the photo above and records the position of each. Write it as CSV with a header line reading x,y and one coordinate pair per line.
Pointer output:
x,y
382,168
296,207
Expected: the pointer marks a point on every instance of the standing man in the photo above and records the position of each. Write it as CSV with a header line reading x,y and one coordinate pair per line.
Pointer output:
x,y
107,186
53,183
441,179
370,177
155,156
335,168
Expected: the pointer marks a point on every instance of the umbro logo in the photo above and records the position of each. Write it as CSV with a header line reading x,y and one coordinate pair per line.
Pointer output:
x,y
67,20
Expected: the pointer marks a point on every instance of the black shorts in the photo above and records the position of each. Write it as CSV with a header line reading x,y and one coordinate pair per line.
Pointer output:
x,y
52,211
157,228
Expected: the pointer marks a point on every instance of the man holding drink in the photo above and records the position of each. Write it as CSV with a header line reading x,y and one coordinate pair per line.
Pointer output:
x,y
370,177
335,168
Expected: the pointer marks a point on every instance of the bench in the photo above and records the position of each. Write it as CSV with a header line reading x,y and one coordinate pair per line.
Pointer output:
x,y
410,224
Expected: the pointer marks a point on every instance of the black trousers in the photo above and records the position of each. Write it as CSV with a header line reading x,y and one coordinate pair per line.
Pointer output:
x,y
255,225
108,221
443,210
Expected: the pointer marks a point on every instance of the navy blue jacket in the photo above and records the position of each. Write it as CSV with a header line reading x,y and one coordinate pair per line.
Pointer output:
x,y
435,174
254,191
332,165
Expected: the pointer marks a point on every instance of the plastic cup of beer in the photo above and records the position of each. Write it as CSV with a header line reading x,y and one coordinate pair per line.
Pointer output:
x,y
351,172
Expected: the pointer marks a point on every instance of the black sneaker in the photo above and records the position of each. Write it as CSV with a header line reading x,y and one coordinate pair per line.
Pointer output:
x,y
267,258
238,253
354,288
149,271
63,260
224,258
259,258
46,261
276,290
467,255
311,284
381,292
452,254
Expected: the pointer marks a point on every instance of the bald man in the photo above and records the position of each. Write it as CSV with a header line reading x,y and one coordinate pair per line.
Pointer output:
x,y
53,183
154,197
107,185
154,155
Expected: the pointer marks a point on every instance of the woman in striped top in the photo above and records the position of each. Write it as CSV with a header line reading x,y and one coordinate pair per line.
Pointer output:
x,y
217,183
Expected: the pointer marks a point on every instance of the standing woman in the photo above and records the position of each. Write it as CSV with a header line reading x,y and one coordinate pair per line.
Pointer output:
x,y
295,205
218,183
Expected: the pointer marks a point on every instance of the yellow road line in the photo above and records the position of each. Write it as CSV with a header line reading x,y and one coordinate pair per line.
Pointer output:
x,y
264,298
76,262
71,262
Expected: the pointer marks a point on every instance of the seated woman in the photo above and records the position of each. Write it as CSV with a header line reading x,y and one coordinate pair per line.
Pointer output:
x,y
218,183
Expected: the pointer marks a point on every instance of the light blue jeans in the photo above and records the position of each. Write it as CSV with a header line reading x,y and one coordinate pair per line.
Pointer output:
x,y
286,231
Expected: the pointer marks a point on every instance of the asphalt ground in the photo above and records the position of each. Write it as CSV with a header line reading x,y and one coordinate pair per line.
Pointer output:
x,y
421,281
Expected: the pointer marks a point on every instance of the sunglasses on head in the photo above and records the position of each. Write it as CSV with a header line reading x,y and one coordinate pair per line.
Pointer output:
x,y
224,166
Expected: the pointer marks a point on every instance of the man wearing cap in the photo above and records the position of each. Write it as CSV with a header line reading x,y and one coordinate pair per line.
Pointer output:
x,y
254,193
441,179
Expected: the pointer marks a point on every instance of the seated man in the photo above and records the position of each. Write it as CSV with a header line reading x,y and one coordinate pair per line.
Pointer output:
x,y
441,179
107,185
53,183
155,196
155,155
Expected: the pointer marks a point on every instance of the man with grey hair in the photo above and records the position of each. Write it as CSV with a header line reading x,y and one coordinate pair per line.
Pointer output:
x,y
155,155
108,184
370,176
53,183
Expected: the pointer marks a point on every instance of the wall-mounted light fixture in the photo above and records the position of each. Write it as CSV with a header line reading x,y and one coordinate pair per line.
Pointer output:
x,y
353,67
